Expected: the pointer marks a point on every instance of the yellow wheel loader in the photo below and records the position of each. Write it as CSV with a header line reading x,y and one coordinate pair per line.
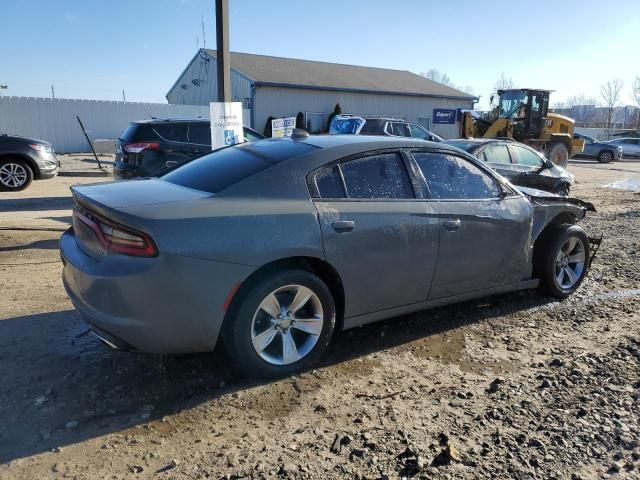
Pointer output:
x,y
522,114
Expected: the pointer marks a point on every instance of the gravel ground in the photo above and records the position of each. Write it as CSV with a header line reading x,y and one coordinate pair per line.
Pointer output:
x,y
513,386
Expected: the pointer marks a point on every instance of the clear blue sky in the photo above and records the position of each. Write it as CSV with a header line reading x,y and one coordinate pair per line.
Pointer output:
x,y
94,49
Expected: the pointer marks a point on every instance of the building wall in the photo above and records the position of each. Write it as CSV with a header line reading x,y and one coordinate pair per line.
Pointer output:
x,y
284,102
198,84
54,120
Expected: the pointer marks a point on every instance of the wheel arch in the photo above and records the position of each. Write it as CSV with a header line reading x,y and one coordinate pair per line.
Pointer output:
x,y
25,158
319,267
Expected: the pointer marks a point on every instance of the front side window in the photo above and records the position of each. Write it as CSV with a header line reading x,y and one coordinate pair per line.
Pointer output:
x,y
419,132
452,178
377,176
496,154
526,157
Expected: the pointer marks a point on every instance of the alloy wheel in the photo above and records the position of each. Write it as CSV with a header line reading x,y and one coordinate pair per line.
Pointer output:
x,y
287,324
606,157
570,263
13,175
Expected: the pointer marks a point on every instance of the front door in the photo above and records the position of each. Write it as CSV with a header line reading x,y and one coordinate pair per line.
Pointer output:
x,y
484,238
381,239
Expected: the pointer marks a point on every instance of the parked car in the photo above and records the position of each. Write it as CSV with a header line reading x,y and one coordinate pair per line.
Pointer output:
x,y
388,127
23,160
274,244
520,164
630,146
604,152
149,148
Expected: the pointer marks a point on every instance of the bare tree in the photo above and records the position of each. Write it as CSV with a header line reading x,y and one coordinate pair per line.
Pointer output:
x,y
610,93
437,76
635,92
503,83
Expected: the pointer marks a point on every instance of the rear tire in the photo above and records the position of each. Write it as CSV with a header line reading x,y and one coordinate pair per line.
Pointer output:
x,y
15,175
561,260
270,338
558,154
605,156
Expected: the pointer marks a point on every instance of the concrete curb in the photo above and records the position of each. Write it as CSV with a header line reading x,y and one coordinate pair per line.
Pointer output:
x,y
85,173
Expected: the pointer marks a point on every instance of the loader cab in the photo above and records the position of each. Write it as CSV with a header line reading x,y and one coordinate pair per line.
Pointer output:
x,y
527,109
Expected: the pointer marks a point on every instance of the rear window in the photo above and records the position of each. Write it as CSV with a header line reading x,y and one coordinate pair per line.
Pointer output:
x,y
136,132
223,168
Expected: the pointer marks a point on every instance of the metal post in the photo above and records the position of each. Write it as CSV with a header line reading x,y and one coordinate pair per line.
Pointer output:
x,y
53,93
222,46
89,141
124,99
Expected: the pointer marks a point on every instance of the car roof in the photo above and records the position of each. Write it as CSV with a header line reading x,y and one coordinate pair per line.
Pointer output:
x,y
172,120
366,141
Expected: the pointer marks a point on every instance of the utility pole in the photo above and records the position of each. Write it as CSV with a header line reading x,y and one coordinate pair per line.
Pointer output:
x,y
124,99
53,93
222,46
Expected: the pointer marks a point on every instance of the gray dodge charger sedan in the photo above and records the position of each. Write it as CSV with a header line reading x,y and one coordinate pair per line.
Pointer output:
x,y
274,244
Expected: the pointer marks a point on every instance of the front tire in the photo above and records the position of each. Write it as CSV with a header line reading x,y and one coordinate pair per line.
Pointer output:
x,y
559,154
605,156
15,175
282,325
561,260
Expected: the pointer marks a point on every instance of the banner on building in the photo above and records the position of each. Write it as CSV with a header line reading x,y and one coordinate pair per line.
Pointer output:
x,y
226,124
282,127
444,115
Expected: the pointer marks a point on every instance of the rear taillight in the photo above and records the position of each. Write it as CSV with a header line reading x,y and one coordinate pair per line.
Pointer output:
x,y
139,146
116,238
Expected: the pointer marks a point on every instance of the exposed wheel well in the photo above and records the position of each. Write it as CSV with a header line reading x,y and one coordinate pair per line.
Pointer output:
x,y
25,159
317,266
564,218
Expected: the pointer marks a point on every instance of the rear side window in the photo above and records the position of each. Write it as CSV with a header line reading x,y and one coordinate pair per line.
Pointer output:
x,y
377,176
200,133
329,183
400,129
372,126
220,169
452,178
496,154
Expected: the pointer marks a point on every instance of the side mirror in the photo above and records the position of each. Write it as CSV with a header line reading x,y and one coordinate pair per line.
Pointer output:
x,y
548,164
171,163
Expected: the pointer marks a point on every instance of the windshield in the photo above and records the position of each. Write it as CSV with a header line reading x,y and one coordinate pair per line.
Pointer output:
x,y
512,104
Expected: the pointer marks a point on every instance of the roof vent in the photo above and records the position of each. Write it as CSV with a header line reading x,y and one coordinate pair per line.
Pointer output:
x,y
299,133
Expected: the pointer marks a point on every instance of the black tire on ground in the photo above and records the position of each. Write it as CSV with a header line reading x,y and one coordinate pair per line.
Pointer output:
x,y
15,175
605,156
562,190
238,329
558,154
547,264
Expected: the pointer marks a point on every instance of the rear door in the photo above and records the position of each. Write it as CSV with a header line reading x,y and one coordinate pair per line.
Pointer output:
x,y
378,233
484,238
199,135
175,148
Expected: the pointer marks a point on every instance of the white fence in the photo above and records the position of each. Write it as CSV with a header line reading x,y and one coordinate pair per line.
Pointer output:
x,y
54,120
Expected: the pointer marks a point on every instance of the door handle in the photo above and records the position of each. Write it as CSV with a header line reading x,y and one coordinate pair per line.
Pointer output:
x,y
452,225
343,226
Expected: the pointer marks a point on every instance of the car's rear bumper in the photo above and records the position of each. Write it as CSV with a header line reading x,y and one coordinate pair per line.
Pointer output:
x,y
168,304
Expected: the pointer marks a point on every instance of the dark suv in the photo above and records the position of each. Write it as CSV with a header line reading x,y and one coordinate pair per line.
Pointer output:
x,y
24,159
149,148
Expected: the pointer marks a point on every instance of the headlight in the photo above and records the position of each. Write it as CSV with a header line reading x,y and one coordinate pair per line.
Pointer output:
x,y
41,148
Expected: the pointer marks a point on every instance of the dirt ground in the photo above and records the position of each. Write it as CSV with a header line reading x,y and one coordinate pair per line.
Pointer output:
x,y
512,386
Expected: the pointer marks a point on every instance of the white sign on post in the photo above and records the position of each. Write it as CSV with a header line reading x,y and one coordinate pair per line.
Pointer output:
x,y
226,124
282,127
